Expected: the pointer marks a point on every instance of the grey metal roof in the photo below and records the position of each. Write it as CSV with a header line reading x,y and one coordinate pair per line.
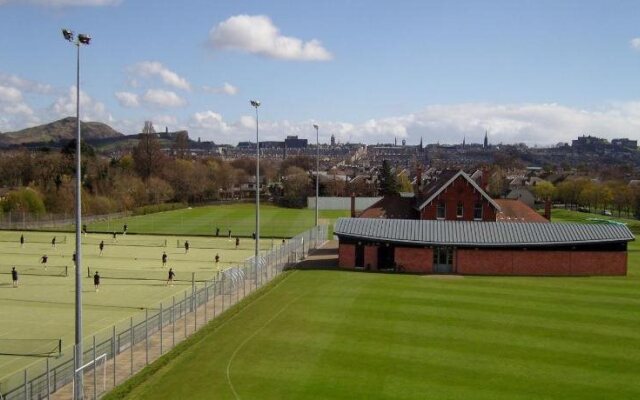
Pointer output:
x,y
480,234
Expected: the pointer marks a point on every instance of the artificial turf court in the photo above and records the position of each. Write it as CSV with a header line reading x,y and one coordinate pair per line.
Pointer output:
x,y
42,307
330,334
275,221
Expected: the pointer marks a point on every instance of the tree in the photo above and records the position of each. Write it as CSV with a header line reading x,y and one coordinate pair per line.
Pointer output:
x,y
296,187
148,156
181,144
544,190
23,200
387,179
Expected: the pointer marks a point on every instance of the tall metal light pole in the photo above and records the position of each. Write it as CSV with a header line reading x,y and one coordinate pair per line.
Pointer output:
x,y
256,104
317,170
78,389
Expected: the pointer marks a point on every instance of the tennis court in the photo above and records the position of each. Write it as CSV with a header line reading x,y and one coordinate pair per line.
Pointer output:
x,y
40,312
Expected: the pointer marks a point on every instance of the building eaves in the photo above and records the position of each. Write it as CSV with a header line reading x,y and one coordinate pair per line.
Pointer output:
x,y
480,234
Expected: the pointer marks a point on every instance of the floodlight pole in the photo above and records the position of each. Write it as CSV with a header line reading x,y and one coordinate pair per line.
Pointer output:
x,y
256,104
78,355
317,170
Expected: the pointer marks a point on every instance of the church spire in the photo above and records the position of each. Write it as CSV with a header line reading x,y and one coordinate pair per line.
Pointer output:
x,y
486,140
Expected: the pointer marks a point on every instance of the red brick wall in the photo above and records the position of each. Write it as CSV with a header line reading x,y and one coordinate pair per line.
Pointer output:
x,y
347,255
417,260
538,262
459,190
371,257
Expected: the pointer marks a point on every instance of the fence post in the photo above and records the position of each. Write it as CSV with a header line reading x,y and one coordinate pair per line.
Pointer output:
x,y
146,335
26,387
215,289
223,294
114,351
185,314
173,322
95,388
193,291
48,380
206,300
160,319
131,345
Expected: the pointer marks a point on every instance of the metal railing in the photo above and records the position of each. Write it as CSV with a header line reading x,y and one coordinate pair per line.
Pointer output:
x,y
131,345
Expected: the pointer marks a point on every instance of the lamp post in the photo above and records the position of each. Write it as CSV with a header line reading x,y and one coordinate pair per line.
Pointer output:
x,y
256,104
317,170
77,376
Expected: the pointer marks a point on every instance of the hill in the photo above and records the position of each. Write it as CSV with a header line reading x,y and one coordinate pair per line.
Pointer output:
x,y
59,131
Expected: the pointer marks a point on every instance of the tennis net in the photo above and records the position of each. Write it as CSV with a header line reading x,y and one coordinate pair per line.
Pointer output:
x,y
147,275
15,237
39,270
217,243
31,347
126,241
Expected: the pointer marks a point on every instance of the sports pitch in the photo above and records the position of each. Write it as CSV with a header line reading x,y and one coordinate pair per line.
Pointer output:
x,y
330,334
275,221
42,307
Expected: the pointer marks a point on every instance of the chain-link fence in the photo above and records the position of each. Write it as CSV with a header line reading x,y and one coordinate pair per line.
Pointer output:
x,y
14,220
129,346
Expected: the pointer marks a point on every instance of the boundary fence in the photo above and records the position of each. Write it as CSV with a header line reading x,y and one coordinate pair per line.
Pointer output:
x,y
130,345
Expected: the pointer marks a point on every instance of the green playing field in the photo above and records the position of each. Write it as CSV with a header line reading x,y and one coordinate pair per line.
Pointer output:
x,y
275,221
331,334
42,307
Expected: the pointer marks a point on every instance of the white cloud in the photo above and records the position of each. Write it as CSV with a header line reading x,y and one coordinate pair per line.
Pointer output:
x,y
25,84
226,88
163,98
65,3
635,43
256,34
10,94
90,109
209,121
127,99
149,69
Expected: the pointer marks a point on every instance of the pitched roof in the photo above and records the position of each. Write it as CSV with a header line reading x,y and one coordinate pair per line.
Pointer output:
x,y
445,179
481,234
391,206
516,211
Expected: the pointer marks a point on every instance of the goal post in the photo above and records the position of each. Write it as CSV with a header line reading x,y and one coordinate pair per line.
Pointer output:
x,y
100,384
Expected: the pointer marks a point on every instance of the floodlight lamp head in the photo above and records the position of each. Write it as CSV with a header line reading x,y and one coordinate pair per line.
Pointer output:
x,y
84,39
67,34
316,126
255,103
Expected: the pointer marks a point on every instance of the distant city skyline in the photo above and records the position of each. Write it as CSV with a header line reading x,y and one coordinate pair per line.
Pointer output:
x,y
533,72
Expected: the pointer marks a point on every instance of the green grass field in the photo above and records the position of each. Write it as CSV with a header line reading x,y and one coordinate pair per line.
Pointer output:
x,y
240,218
42,307
330,334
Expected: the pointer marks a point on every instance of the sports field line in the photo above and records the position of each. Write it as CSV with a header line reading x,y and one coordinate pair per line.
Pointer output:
x,y
241,345
60,303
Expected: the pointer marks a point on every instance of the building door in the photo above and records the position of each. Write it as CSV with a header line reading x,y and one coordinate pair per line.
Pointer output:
x,y
443,260
359,256
385,256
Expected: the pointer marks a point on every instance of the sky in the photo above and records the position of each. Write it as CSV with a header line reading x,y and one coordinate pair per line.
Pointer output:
x,y
529,71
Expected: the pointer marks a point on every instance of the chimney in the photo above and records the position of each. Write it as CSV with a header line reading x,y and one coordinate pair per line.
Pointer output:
x,y
418,186
547,209
353,205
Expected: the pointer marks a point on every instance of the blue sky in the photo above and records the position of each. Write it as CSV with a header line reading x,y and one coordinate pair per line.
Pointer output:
x,y
538,72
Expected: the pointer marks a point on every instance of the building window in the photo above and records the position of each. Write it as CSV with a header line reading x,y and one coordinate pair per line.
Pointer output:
x,y
459,210
441,211
477,211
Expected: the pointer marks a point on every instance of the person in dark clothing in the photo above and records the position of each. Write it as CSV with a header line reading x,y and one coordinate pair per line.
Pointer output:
x,y
96,281
73,258
114,237
101,246
21,240
237,242
14,276
186,246
53,242
84,229
164,259
171,276
124,229
217,231
43,260
253,235
217,258
229,233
